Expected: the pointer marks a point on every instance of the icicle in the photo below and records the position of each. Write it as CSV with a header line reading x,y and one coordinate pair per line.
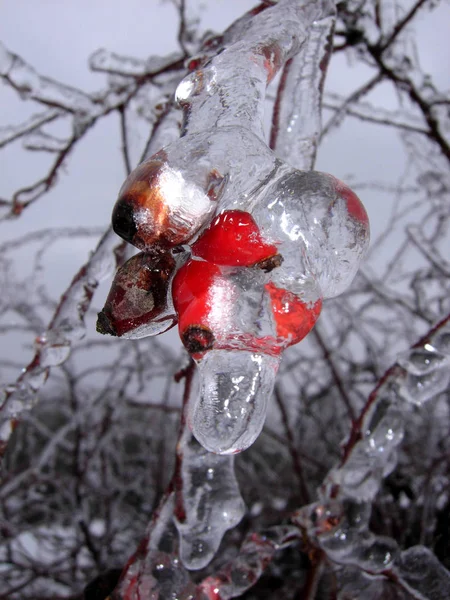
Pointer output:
x,y
155,571
211,503
235,388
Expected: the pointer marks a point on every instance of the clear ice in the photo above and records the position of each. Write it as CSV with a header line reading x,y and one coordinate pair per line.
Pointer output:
x,y
211,503
229,412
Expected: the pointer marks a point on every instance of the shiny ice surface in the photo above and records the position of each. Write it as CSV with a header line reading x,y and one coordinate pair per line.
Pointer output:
x,y
235,387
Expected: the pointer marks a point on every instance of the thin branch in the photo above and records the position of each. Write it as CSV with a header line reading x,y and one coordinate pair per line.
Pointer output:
x,y
123,135
384,44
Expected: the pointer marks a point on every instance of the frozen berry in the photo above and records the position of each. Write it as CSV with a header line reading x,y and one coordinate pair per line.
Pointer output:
x,y
158,207
141,215
138,303
233,239
294,319
191,297
354,205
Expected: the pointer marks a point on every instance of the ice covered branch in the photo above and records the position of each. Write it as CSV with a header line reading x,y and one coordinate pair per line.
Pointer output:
x,y
339,521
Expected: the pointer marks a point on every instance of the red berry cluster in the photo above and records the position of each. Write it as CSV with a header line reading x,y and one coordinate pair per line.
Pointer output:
x,y
233,240
140,299
152,292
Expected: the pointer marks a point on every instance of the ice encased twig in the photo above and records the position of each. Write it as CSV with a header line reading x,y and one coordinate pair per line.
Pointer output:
x,y
339,521
256,551
299,118
427,368
235,387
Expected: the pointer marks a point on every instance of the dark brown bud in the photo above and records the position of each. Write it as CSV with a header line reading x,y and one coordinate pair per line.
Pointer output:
x,y
197,338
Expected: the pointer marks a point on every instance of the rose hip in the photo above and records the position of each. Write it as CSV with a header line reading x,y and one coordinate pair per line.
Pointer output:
x,y
139,297
233,239
294,319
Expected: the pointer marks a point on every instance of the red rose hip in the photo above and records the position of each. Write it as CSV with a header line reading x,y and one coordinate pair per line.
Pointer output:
x,y
294,319
191,297
233,239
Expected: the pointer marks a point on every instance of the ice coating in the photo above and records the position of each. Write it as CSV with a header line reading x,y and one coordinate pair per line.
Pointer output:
x,y
267,244
321,230
235,388
423,574
427,369
223,129
163,204
211,503
256,551
267,41
238,309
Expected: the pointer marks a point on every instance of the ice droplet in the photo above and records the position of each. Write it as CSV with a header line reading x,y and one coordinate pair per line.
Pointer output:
x,y
421,361
53,349
441,341
234,390
427,368
160,575
375,553
417,389
341,529
320,227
